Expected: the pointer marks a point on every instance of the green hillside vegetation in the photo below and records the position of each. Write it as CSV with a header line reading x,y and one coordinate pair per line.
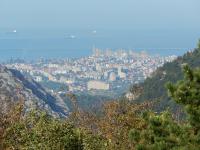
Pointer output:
x,y
122,126
162,131
154,87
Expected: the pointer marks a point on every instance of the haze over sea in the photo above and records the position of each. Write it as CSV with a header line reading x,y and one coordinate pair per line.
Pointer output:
x,y
35,44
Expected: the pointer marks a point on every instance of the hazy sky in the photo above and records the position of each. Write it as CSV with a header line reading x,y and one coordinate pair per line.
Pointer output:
x,y
105,14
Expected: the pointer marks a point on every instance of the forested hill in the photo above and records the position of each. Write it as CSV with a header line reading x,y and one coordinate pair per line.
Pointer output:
x,y
154,87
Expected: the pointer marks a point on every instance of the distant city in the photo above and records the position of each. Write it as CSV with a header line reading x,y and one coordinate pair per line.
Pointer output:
x,y
104,70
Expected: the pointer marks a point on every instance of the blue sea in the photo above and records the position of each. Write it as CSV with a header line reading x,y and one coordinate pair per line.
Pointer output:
x,y
35,44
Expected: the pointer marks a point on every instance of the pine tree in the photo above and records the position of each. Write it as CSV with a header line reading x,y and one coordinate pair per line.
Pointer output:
x,y
187,93
162,131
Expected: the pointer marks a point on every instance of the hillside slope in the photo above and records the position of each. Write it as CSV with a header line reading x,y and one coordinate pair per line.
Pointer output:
x,y
14,87
154,87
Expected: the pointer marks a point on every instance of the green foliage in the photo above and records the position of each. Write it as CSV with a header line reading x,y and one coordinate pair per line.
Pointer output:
x,y
94,142
162,132
187,93
40,131
154,87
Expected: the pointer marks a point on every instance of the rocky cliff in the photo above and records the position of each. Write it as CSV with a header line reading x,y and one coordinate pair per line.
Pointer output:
x,y
14,87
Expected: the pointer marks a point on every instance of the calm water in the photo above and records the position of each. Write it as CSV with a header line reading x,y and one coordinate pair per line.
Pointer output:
x,y
73,44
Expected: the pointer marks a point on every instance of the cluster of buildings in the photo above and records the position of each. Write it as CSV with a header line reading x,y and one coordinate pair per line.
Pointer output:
x,y
103,70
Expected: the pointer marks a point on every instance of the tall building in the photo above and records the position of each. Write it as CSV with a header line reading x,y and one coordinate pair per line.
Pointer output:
x,y
121,74
112,76
98,67
105,75
96,52
108,52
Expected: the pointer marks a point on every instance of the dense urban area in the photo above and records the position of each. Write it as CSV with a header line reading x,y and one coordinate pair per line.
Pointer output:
x,y
104,70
